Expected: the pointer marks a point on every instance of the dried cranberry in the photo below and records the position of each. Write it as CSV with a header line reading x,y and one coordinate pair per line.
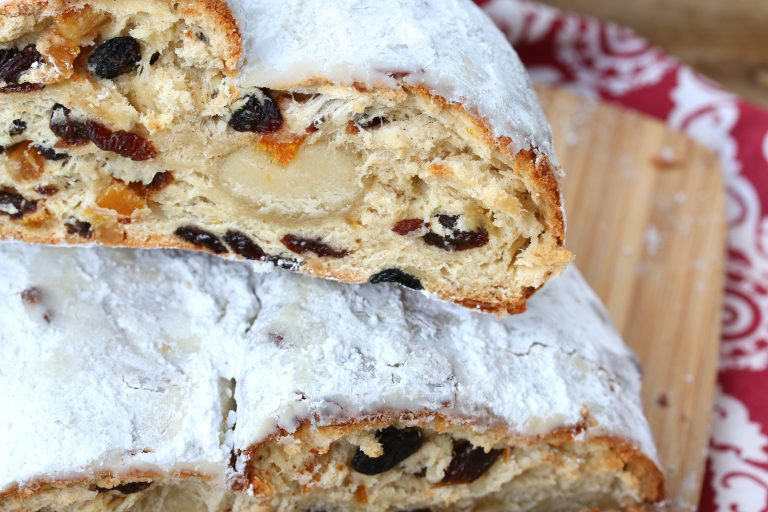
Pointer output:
x,y
17,127
64,126
17,63
25,87
242,245
14,204
301,245
201,238
49,153
47,190
115,57
78,227
126,144
258,115
397,445
407,226
469,462
395,275
129,488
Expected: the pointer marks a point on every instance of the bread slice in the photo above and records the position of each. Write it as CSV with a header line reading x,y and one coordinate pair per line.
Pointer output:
x,y
156,380
356,139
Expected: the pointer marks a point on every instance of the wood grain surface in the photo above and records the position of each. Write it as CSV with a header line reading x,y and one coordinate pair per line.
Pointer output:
x,y
646,221
725,39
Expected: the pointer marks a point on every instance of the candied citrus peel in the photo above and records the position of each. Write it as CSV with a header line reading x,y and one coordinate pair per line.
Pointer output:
x,y
121,199
27,163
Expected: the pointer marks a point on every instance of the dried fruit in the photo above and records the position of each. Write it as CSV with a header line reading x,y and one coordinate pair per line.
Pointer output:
x,y
301,245
407,226
457,240
160,181
66,127
74,24
17,127
49,153
17,63
26,162
120,198
154,58
61,52
258,115
201,238
469,462
115,57
283,152
78,227
397,445
47,190
20,88
242,245
129,488
395,275
126,144
14,204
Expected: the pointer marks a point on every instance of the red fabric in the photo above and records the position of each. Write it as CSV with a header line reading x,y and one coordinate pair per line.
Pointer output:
x,y
610,62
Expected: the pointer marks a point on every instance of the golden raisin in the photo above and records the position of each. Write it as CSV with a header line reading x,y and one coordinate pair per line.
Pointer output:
x,y
75,24
26,162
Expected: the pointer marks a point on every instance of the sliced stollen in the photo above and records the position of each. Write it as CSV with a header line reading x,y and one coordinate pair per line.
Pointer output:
x,y
358,140
145,380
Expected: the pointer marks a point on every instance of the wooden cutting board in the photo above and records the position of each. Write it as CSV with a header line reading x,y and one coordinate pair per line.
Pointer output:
x,y
646,221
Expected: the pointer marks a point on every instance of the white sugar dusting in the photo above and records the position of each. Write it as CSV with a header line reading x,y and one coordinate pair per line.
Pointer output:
x,y
140,342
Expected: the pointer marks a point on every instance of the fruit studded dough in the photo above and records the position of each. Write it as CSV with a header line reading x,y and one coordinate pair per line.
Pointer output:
x,y
154,380
361,140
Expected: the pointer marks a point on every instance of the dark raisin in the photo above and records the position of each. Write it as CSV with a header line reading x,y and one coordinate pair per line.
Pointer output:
x,y
115,57
7,54
257,115
64,126
129,488
160,181
366,122
242,245
395,275
25,87
19,62
201,238
284,263
448,221
126,144
47,190
301,245
15,205
32,296
407,226
17,127
397,445
154,58
459,240
49,153
80,228
469,462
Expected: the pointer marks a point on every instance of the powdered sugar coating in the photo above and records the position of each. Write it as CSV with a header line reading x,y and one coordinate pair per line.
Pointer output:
x,y
448,46
128,374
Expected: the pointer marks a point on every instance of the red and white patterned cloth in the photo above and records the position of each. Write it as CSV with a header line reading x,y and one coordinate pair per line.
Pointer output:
x,y
611,62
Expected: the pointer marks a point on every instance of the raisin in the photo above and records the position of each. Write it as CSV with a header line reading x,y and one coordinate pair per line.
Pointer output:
x,y
63,125
201,238
49,153
301,245
395,275
126,144
242,245
129,488
407,226
257,116
469,462
459,240
17,127
154,58
115,57
80,228
15,205
160,181
7,54
25,87
47,190
18,63
448,221
397,444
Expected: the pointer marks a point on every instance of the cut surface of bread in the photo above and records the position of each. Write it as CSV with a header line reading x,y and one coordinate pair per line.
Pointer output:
x,y
358,140
159,380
